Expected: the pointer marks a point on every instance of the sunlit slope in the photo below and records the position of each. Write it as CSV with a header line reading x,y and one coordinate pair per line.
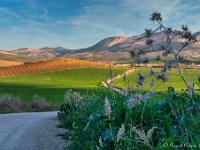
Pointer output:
x,y
48,66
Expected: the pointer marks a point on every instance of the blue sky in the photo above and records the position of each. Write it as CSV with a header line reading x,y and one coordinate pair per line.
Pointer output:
x,y
82,23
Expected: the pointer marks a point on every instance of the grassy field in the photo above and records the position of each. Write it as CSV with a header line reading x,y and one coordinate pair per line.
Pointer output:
x,y
173,80
52,86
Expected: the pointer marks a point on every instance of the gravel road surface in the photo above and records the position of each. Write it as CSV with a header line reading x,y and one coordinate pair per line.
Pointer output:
x,y
30,131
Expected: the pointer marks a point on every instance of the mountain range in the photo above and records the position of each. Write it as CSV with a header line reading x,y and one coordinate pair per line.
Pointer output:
x,y
109,49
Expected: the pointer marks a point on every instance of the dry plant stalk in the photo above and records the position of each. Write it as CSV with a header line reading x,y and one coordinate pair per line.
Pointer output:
x,y
145,138
107,108
120,133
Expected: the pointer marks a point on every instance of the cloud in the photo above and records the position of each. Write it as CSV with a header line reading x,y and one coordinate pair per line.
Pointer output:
x,y
78,24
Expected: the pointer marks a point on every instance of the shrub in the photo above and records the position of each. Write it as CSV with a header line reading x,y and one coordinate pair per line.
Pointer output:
x,y
9,104
40,104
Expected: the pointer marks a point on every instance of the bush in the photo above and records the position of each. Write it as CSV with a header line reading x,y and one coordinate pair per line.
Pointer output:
x,y
40,104
9,104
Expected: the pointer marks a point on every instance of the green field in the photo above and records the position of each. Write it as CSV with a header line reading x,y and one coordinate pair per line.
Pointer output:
x,y
173,80
53,85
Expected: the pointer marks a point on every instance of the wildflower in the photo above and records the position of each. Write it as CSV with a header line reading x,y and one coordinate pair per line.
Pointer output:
x,y
168,31
152,72
107,108
156,16
148,95
140,80
139,61
120,132
132,52
131,103
148,32
149,42
185,28
157,58
165,54
162,48
134,100
145,60
140,77
163,77
188,35
139,84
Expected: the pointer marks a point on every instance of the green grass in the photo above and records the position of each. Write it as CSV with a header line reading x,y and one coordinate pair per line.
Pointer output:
x,y
173,80
52,85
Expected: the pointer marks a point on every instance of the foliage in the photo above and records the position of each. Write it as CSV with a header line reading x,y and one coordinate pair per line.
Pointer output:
x,y
149,123
142,120
11,104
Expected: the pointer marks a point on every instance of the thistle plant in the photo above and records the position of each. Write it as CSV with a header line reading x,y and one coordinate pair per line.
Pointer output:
x,y
167,50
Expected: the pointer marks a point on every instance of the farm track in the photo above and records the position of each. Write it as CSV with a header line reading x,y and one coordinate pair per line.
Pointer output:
x,y
48,66
31,131
108,83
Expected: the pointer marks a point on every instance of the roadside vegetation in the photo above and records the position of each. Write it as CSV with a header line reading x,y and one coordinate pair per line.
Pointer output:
x,y
11,104
140,118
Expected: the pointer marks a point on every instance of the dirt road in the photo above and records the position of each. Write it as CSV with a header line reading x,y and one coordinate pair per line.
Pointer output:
x,y
30,131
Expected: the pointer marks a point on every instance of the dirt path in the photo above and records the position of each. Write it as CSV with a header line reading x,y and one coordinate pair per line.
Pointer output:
x,y
30,131
108,83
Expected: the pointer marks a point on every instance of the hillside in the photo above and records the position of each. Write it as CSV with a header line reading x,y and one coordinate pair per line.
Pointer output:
x,y
111,48
4,63
43,53
9,58
47,66
117,48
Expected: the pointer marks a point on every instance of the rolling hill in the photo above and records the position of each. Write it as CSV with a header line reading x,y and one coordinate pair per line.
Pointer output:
x,y
43,53
110,49
8,58
48,66
118,48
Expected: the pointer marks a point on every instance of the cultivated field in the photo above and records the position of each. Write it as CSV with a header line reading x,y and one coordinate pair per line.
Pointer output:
x,y
48,66
4,63
52,85
173,80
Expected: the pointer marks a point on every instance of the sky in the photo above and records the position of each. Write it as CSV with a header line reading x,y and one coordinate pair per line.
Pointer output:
x,y
78,24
